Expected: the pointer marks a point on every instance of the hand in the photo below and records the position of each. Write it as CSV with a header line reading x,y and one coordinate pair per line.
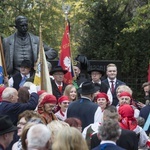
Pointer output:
x,y
6,80
33,89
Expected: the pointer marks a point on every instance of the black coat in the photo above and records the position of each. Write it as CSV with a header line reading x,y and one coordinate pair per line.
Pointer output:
x,y
144,112
128,140
55,89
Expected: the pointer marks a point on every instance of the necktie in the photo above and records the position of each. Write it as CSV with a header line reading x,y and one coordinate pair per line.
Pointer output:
x,y
23,81
60,88
112,87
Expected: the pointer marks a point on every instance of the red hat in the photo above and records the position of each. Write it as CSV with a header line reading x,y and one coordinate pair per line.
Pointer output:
x,y
2,88
102,95
41,92
49,99
127,120
125,94
63,98
126,110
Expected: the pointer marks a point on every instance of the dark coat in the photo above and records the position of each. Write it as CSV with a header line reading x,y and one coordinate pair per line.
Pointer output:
x,y
17,79
9,45
1,147
128,140
118,83
14,109
55,89
144,112
83,109
108,146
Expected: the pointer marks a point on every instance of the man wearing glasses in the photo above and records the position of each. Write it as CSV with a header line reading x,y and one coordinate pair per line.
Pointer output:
x,y
58,84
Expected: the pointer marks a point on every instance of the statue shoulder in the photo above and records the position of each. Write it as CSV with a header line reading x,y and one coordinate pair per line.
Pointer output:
x,y
8,40
11,37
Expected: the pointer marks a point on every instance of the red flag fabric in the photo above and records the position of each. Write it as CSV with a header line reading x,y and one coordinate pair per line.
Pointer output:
x,y
149,72
65,60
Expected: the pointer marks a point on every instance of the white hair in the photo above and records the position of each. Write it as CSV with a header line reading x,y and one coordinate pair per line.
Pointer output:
x,y
7,93
38,136
27,84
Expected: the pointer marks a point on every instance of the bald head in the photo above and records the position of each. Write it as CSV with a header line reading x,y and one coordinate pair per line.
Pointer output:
x,y
10,94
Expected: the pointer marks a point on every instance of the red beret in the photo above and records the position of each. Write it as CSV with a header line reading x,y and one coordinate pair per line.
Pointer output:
x,y
63,98
102,95
126,110
2,88
125,94
41,92
49,99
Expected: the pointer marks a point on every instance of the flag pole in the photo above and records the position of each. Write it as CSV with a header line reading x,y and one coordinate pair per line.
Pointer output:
x,y
3,59
3,63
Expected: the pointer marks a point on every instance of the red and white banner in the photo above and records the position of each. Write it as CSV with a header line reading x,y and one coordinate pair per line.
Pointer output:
x,y
65,60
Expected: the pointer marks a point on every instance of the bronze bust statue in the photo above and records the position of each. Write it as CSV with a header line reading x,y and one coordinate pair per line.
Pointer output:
x,y
23,45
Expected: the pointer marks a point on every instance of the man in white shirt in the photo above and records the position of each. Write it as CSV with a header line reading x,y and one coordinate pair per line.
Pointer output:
x,y
112,82
20,78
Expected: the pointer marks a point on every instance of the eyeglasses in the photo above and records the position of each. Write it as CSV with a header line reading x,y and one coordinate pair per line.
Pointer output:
x,y
49,105
65,103
36,120
21,123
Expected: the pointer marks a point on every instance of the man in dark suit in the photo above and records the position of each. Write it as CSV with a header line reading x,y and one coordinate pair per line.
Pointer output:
x,y
83,108
112,82
18,80
58,85
96,74
109,132
127,140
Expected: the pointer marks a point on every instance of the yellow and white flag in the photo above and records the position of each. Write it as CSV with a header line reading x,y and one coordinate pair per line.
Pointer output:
x,y
42,78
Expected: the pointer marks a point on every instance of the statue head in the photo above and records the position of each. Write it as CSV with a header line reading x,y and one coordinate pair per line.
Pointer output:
x,y
21,23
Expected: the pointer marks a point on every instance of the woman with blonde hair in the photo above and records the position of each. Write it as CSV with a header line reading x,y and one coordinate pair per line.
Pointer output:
x,y
71,92
69,138
55,127
123,88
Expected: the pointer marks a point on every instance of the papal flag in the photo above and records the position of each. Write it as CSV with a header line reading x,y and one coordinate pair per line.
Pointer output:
x,y
42,79
65,59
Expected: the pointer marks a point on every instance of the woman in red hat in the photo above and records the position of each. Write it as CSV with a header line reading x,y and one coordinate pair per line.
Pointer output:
x,y
102,100
48,104
126,98
63,103
129,122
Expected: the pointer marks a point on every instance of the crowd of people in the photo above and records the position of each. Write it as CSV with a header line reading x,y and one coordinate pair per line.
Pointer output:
x,y
92,113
